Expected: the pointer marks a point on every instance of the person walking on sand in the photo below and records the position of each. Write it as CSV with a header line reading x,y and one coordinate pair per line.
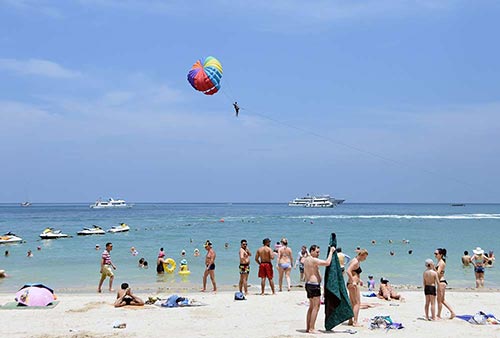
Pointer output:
x,y
263,257
284,263
209,267
124,296
106,266
440,254
354,282
313,284
244,266
431,282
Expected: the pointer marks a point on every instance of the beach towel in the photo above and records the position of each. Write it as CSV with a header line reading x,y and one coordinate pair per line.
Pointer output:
x,y
338,308
480,318
16,306
178,301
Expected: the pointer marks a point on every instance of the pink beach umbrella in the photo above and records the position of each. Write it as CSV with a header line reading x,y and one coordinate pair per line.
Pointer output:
x,y
35,295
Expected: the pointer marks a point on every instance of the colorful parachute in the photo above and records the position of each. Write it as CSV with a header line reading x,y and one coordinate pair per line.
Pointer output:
x,y
205,75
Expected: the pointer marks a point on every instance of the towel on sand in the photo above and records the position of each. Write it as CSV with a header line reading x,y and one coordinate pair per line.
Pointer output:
x,y
338,308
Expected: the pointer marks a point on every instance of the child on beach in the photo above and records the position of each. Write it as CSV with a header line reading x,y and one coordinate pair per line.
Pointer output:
x,y
431,281
371,283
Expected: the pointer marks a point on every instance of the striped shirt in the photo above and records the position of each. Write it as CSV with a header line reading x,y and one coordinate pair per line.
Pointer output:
x,y
106,257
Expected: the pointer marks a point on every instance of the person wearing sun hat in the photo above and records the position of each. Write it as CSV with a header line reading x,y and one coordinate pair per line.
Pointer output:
x,y
478,260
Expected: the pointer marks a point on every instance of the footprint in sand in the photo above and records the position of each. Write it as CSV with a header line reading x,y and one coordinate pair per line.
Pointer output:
x,y
88,307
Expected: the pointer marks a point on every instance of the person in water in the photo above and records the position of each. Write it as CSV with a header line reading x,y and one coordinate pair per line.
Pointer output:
x,y
124,296
466,260
284,263
431,283
354,282
236,108
160,261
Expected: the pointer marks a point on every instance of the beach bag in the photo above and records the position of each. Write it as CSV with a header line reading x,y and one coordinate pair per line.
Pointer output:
x,y
239,296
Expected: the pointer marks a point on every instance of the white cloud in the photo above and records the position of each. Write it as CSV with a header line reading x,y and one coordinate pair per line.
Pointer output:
x,y
37,67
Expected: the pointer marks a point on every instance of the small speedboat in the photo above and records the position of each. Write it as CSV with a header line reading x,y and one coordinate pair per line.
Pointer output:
x,y
95,230
26,204
10,238
120,228
50,233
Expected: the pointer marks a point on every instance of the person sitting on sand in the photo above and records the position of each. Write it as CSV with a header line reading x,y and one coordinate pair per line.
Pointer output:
x,y
386,292
124,296
431,283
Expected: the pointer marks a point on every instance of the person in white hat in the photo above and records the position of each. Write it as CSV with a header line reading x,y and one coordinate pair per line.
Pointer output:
x,y
479,260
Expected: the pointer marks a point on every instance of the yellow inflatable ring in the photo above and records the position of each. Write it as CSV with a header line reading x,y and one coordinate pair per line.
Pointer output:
x,y
169,265
184,270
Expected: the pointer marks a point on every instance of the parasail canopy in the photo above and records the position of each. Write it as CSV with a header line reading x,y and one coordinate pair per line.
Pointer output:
x,y
205,75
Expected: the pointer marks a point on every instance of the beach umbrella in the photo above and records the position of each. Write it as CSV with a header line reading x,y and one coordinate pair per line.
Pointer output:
x,y
35,295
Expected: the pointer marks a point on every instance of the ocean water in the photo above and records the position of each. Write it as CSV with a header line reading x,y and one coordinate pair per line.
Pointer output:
x,y
73,263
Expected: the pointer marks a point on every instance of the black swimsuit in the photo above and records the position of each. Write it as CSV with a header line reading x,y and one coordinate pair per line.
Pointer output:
x,y
358,271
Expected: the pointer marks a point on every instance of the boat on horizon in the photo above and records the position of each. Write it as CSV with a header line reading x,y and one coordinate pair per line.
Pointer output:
x,y
26,204
9,238
50,233
95,230
110,203
311,201
123,227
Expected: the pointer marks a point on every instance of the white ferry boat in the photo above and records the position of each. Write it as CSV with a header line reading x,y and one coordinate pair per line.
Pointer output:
x,y
110,203
322,201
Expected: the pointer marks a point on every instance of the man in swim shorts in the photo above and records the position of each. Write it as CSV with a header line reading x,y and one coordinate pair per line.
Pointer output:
x,y
431,281
124,296
313,284
209,267
244,266
106,266
263,257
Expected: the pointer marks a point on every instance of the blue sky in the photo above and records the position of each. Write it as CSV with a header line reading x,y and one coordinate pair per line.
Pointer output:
x,y
371,101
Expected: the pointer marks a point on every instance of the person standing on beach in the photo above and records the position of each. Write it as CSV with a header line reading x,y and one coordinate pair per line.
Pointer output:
x,y
106,266
303,253
354,282
440,254
431,282
313,284
244,266
210,267
284,263
263,257
479,260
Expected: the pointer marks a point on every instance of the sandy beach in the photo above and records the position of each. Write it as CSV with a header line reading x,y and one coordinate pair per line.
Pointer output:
x,y
280,315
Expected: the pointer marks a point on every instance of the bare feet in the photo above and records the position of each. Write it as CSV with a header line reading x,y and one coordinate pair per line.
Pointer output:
x,y
202,290
452,315
313,331
99,290
111,290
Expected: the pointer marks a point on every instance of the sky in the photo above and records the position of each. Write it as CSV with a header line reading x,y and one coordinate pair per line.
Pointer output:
x,y
370,101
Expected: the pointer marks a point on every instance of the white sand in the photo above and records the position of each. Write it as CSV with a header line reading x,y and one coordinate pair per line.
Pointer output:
x,y
282,315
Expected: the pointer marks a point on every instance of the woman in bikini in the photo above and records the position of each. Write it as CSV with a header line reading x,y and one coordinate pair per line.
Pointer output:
x,y
479,260
440,254
284,263
354,282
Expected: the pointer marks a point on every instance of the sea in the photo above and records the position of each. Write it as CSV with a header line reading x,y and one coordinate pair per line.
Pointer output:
x,y
411,232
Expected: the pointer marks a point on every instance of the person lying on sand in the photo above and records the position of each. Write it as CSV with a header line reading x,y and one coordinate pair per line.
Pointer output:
x,y
386,292
124,296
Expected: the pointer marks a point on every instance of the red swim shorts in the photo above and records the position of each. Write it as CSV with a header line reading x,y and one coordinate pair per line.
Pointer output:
x,y
266,270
